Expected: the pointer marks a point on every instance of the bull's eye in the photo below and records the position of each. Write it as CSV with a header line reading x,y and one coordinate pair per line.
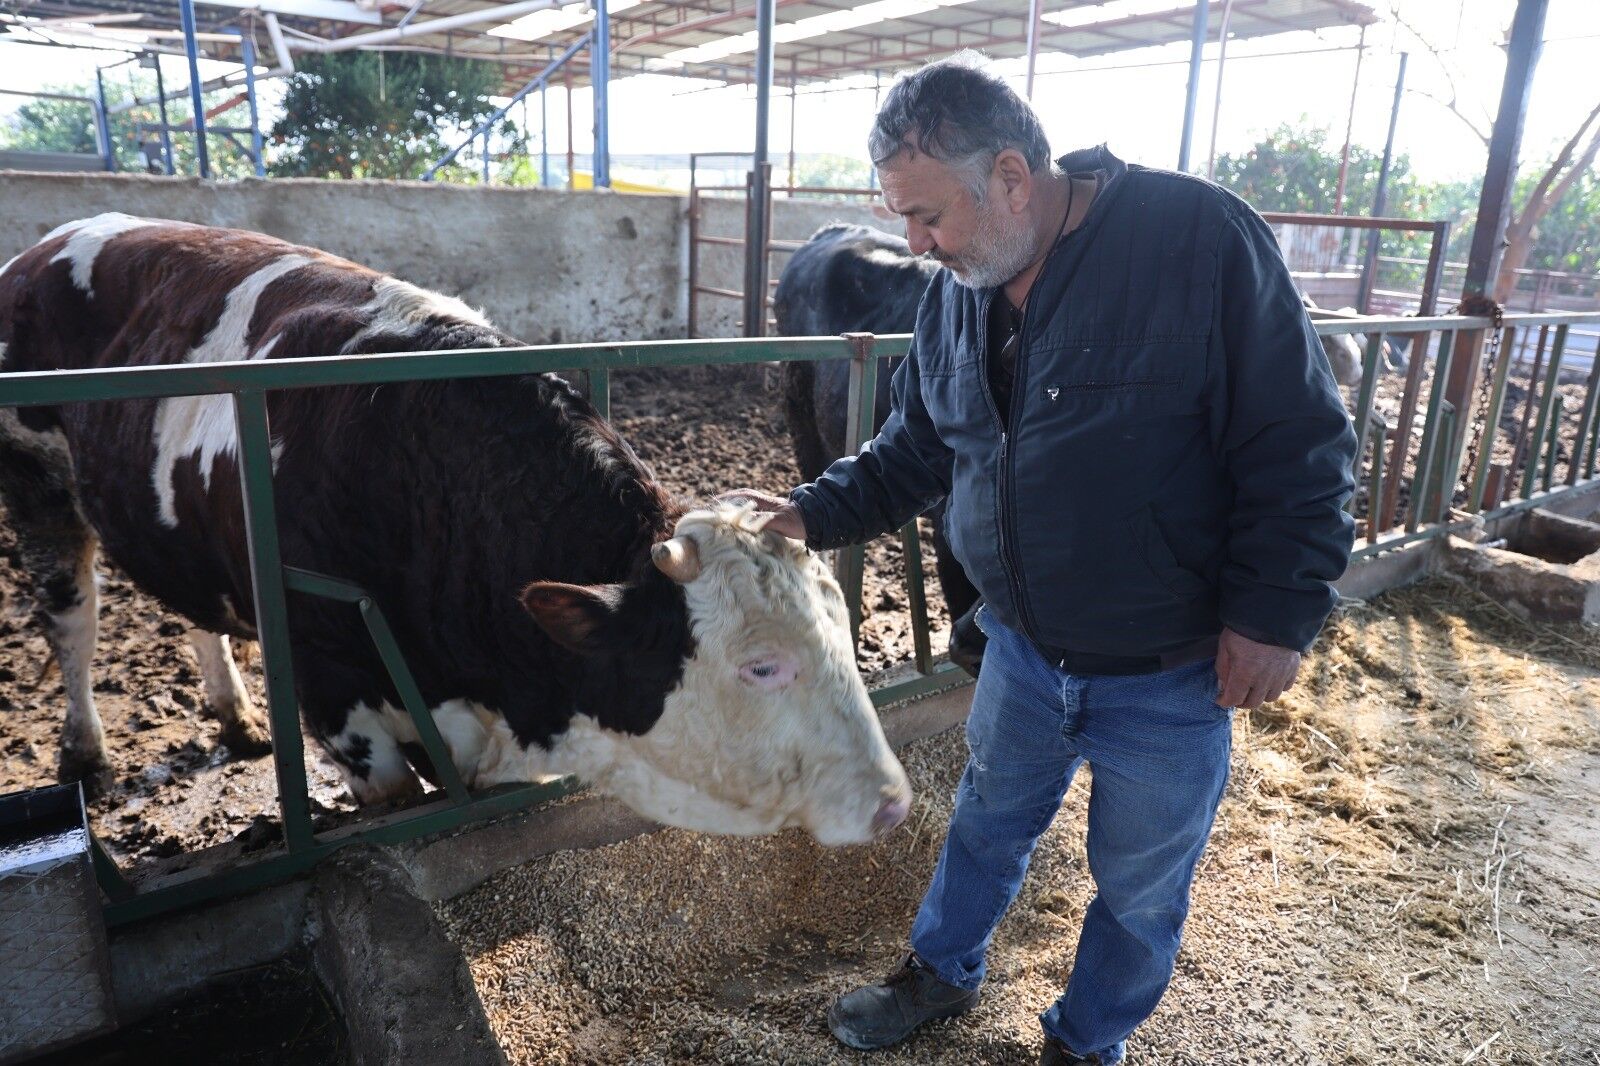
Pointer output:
x,y
770,672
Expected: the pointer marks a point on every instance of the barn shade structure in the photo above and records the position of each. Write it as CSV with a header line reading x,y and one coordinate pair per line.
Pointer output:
x,y
720,41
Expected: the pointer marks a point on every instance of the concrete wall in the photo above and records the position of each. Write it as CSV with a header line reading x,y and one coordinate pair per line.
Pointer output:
x,y
547,266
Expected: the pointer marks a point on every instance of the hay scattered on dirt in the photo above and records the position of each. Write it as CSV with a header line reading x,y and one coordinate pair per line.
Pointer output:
x,y
1403,871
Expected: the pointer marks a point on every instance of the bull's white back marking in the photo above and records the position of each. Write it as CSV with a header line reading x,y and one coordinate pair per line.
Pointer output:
x,y
402,308
88,236
203,425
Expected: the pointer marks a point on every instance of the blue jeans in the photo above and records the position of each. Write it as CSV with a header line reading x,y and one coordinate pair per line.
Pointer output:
x,y
1158,745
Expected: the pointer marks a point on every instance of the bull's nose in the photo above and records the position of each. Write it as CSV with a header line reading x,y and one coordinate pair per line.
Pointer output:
x,y
891,814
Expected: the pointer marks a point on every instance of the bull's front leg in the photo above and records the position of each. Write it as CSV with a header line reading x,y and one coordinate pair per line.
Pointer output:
x,y
244,727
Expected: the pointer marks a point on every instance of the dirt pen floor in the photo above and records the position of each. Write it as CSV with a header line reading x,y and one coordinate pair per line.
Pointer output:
x,y
1404,869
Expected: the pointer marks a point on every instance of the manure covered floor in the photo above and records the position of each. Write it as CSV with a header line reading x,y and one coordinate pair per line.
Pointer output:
x,y
1404,870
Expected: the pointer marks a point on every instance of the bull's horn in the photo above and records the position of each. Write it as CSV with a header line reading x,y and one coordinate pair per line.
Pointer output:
x,y
678,558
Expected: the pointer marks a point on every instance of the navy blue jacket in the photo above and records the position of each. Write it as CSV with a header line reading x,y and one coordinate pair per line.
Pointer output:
x,y
1177,456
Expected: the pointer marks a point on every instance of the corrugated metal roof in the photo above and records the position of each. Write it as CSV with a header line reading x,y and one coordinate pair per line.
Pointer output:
x,y
817,40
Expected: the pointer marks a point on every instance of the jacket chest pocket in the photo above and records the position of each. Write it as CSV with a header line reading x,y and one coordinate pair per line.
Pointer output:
x,y
1163,376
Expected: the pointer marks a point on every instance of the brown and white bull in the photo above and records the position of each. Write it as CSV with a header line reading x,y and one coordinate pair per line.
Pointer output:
x,y
561,614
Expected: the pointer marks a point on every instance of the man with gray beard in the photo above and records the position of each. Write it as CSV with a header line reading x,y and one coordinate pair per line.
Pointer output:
x,y
1146,462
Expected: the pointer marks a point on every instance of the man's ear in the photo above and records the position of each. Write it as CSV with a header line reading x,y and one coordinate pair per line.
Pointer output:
x,y
578,617
1015,178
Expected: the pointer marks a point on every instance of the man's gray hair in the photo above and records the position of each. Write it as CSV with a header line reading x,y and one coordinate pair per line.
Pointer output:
x,y
959,114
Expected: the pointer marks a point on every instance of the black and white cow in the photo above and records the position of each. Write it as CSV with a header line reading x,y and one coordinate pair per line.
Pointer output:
x,y
560,612
854,279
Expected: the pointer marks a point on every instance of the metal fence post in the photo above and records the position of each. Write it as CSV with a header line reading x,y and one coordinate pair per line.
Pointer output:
x,y
1430,434
1369,385
1554,444
272,617
1591,394
916,597
102,124
859,426
1375,491
1547,401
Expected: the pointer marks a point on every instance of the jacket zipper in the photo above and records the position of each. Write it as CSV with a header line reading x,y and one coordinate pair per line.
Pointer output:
x,y
1007,522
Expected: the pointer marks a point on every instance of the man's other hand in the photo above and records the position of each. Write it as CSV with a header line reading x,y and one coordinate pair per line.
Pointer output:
x,y
786,518
1250,674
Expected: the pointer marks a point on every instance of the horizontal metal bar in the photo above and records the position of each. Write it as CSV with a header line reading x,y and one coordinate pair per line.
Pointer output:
x,y
827,189
49,96
1403,324
324,585
438,816
194,379
712,290
731,242
945,675
1296,218
1538,499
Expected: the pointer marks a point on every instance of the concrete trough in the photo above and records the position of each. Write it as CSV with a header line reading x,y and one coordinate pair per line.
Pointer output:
x,y
1546,567
400,989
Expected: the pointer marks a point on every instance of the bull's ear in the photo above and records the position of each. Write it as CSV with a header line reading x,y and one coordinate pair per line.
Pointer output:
x,y
575,616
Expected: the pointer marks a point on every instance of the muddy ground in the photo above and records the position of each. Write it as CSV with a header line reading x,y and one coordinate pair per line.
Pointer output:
x,y
176,788
1403,871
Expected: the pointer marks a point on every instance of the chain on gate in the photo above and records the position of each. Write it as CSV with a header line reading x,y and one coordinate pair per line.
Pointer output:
x,y
1478,430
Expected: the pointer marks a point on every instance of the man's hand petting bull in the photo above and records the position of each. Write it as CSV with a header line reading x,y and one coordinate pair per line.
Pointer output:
x,y
786,518
1250,673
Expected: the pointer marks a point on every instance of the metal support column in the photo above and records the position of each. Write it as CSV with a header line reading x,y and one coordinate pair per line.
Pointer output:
x,y
572,172
877,96
196,97
1494,205
756,235
1216,107
1369,265
1488,237
102,123
1349,125
544,136
166,125
794,101
1033,41
600,77
248,47
1197,44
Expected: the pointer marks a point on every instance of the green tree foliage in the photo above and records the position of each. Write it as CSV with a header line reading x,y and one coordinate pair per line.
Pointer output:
x,y
827,170
45,125
1568,238
380,115
1295,168
51,126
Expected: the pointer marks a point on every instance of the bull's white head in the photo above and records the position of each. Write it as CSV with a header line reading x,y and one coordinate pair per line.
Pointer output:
x,y
764,723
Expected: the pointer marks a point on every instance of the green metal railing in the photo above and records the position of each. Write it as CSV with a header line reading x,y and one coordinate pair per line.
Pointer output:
x,y
247,384
1431,476
1451,477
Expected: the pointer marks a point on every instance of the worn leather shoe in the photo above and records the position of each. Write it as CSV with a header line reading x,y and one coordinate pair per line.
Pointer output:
x,y
883,1014
1055,1053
